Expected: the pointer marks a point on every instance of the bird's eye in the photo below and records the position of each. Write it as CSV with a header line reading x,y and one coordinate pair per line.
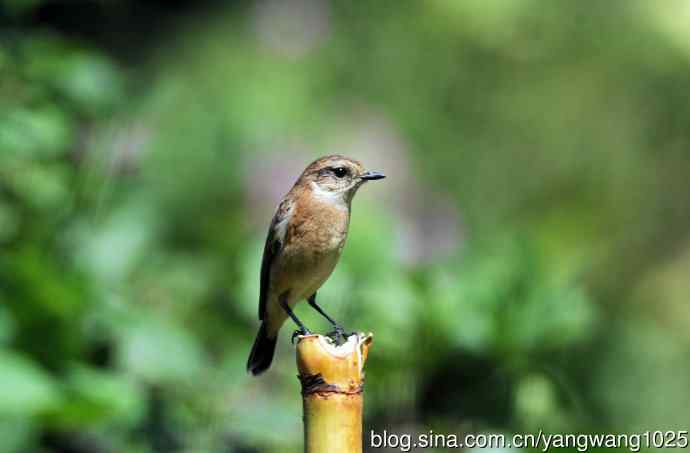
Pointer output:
x,y
340,172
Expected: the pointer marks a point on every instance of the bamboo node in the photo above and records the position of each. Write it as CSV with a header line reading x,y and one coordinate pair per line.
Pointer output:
x,y
315,384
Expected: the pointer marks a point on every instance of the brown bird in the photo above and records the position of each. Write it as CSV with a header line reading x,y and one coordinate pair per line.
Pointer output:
x,y
305,239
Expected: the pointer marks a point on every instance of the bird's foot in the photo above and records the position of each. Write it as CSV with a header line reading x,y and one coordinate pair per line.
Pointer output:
x,y
338,335
299,332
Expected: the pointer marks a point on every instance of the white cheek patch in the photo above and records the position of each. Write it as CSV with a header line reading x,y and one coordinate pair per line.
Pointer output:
x,y
326,194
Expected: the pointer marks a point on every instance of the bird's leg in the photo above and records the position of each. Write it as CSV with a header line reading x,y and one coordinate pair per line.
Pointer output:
x,y
338,334
302,328
312,302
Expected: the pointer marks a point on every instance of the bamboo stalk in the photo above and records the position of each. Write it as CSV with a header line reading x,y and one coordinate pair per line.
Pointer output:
x,y
332,380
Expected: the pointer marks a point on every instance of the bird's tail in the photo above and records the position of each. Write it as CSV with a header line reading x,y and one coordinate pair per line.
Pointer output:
x,y
262,352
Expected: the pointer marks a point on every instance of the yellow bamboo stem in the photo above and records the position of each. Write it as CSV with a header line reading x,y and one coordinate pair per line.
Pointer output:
x,y
332,380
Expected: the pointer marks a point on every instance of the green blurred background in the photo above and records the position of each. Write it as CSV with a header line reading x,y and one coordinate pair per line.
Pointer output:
x,y
525,265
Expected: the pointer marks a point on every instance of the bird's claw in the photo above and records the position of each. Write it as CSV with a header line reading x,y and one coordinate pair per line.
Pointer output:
x,y
299,332
338,335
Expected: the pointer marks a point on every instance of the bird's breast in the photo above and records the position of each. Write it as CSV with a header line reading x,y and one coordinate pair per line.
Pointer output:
x,y
315,237
318,228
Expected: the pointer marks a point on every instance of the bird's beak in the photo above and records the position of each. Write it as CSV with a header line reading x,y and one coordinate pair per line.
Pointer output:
x,y
372,175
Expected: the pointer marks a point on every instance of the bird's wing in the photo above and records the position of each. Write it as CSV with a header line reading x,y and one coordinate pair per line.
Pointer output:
x,y
274,243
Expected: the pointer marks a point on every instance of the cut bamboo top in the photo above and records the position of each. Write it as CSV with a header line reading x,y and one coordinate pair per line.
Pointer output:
x,y
325,367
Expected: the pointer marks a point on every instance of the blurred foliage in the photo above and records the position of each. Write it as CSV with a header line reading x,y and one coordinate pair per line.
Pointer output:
x,y
525,265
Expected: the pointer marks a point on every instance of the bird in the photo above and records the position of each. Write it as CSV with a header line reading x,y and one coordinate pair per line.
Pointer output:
x,y
304,242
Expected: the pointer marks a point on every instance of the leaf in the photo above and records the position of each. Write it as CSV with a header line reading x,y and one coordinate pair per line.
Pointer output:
x,y
90,81
25,388
44,131
97,396
7,324
159,351
16,434
9,221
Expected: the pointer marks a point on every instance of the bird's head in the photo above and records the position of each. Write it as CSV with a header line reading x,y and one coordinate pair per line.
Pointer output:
x,y
337,176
